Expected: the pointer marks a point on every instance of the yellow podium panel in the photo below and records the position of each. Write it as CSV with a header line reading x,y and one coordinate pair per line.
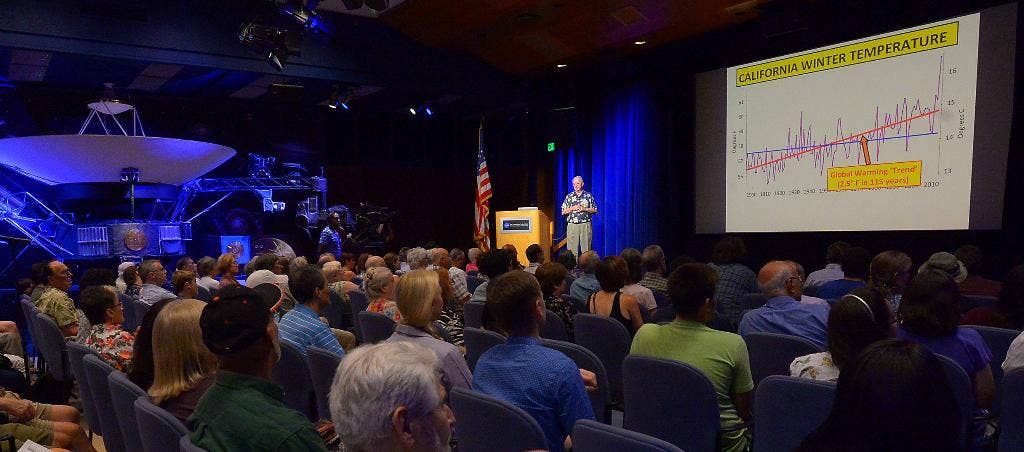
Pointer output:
x,y
523,228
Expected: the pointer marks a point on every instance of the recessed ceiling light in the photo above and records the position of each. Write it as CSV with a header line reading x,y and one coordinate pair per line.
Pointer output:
x,y
561,65
639,43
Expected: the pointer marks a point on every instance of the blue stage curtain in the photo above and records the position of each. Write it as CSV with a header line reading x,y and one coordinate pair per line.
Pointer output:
x,y
617,154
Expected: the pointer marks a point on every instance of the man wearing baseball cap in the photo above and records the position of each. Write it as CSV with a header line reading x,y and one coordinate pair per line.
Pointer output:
x,y
243,410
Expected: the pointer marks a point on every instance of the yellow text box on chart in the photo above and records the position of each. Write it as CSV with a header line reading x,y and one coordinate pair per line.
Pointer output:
x,y
880,175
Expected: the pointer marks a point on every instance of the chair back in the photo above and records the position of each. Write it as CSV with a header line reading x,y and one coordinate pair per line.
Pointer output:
x,y
292,373
580,305
91,412
1011,422
478,414
752,301
140,309
322,366
29,310
477,342
998,341
161,431
472,282
585,359
359,301
130,321
787,409
442,329
473,313
666,312
671,401
963,392
554,327
609,340
187,446
337,312
969,302
123,393
772,353
594,436
375,326
96,373
52,346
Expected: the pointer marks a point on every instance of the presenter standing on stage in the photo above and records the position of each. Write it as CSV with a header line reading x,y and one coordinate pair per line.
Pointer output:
x,y
579,207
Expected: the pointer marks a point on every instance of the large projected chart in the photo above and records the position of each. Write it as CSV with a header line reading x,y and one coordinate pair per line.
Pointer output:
x,y
874,134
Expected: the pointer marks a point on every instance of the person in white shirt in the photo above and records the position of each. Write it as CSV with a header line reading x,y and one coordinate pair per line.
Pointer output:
x,y
204,270
833,270
644,296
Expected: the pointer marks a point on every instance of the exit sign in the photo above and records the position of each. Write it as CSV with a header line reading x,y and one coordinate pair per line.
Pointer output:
x,y
551,146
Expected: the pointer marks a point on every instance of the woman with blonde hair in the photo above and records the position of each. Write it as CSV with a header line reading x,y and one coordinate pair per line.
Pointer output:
x,y
380,289
227,268
183,367
418,296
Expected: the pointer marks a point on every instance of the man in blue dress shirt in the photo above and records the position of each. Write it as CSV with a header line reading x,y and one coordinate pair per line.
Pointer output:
x,y
783,314
537,379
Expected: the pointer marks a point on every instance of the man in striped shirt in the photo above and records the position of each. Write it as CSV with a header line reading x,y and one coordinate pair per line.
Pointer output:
x,y
302,326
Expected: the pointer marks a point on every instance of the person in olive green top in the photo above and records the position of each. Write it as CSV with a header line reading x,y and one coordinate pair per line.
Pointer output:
x,y
243,410
55,301
720,355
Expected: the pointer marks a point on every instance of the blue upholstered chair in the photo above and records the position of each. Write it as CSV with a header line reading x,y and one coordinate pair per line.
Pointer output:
x,y
322,366
375,326
488,424
123,393
76,352
186,445
609,340
473,312
160,431
553,328
359,301
591,436
998,341
292,373
477,342
963,392
96,371
472,282
585,359
771,353
1011,422
787,409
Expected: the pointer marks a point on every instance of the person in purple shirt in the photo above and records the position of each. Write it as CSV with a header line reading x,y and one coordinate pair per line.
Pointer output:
x,y
541,381
783,314
856,262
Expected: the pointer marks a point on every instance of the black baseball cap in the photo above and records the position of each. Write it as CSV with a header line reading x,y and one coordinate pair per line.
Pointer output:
x,y
235,319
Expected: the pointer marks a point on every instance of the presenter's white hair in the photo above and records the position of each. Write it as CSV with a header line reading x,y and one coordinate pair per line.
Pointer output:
x,y
374,380
577,177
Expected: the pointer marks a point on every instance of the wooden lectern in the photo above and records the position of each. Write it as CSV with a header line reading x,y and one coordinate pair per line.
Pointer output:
x,y
523,228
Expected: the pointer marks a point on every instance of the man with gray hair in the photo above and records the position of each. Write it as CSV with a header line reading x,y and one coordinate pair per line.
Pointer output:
x,y
578,208
418,258
154,276
783,314
586,284
390,397
654,267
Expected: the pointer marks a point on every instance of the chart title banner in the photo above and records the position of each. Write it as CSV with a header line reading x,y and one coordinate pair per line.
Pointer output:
x,y
930,38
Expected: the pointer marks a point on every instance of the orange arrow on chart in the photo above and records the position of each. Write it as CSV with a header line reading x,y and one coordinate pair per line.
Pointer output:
x,y
864,149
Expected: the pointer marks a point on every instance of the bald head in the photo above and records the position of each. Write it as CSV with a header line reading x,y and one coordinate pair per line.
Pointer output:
x,y
774,276
374,261
588,261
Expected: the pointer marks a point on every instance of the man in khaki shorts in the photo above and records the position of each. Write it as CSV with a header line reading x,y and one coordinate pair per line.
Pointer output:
x,y
579,206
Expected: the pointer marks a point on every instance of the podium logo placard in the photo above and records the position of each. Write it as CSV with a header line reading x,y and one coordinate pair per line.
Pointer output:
x,y
516,225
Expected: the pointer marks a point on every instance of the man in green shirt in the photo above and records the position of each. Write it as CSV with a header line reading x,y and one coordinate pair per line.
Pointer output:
x,y
720,355
243,410
55,301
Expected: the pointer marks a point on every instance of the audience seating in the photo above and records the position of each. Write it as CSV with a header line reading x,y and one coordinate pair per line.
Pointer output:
x,y
187,446
998,341
771,353
969,302
322,366
593,436
335,313
473,314
292,373
76,352
123,393
964,394
610,341
585,359
140,309
375,327
479,341
29,311
580,305
752,301
787,409
357,281
54,350
442,330
1011,423
671,401
96,372
553,327
487,424
160,431
472,282
666,312
130,321
359,302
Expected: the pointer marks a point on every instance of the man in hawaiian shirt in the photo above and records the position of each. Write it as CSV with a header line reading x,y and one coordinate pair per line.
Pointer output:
x,y
579,206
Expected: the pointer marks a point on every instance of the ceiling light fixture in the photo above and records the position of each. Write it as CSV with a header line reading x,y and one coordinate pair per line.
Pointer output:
x,y
639,43
561,65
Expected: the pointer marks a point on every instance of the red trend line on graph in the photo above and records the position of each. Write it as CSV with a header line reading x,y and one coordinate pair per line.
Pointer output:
x,y
929,113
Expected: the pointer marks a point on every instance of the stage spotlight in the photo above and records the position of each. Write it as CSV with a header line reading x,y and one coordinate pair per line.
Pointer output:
x,y
412,111
376,5
298,14
268,41
333,106
428,111
344,105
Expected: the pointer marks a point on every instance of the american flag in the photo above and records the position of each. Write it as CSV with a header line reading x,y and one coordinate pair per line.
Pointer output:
x,y
482,230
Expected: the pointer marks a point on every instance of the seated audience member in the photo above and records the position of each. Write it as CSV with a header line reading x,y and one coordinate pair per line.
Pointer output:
x,y
183,368
928,316
857,320
106,314
551,277
946,264
154,276
40,274
1015,354
452,312
458,258
266,261
975,284
586,284
720,355
141,372
798,292
418,296
634,271
610,301
856,264
456,277
833,266
391,397
493,264
325,258
782,314
568,260
418,258
184,284
734,279
243,410
54,301
281,267
541,381
892,397
53,426
890,273
513,255
186,263
380,289
1009,309
120,283
263,276
227,269
654,268
473,254
205,271
361,263
392,263
302,326
334,273
24,289
133,283
535,256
